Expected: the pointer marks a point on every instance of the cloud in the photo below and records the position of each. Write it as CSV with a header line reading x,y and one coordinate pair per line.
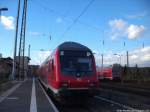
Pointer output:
x,y
134,56
137,15
134,31
146,57
139,56
59,20
117,24
43,54
39,56
36,34
8,22
120,28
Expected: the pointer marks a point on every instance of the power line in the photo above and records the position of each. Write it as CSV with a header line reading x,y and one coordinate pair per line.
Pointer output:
x,y
77,18
56,13
64,15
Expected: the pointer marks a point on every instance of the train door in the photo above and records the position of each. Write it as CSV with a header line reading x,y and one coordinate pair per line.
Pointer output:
x,y
51,72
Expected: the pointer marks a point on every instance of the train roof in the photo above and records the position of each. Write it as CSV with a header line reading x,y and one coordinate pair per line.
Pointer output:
x,y
73,46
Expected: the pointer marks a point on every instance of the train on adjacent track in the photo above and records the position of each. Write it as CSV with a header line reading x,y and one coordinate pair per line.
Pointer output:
x,y
105,73
109,73
70,71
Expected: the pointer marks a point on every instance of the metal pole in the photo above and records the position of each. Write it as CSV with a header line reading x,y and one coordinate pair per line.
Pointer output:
x,y
29,51
20,44
127,59
102,61
15,43
120,60
24,71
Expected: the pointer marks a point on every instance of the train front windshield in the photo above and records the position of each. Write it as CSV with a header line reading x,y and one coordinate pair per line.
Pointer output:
x,y
76,62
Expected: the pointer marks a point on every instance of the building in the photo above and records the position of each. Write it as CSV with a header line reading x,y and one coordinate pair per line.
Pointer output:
x,y
22,70
0,55
33,70
5,68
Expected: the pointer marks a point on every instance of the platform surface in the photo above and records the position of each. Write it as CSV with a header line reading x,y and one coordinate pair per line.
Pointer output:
x,y
25,96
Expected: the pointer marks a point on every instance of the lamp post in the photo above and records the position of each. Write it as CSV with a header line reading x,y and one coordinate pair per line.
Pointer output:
x,y
3,9
119,56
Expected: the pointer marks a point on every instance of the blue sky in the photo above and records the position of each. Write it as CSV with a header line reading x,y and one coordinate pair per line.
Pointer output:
x,y
114,21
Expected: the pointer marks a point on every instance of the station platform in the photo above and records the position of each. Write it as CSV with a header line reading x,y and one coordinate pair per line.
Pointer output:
x,y
26,96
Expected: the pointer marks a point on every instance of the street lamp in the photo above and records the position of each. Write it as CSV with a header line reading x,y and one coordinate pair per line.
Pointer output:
x,y
119,56
2,9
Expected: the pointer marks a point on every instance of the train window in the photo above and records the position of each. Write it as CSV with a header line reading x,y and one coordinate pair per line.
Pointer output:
x,y
79,63
88,53
85,64
62,53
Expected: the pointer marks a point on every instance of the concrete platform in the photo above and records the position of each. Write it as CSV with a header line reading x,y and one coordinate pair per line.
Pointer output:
x,y
26,96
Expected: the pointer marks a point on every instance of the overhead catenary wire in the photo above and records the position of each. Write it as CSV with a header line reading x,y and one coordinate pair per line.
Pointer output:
x,y
77,18
66,18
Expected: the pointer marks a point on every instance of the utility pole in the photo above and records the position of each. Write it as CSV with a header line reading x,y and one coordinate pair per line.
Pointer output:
x,y
127,59
29,51
22,42
15,43
102,61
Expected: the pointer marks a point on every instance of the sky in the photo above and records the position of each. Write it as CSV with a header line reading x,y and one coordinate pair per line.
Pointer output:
x,y
107,27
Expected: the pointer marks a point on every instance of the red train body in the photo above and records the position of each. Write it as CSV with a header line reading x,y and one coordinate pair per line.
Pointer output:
x,y
105,73
70,70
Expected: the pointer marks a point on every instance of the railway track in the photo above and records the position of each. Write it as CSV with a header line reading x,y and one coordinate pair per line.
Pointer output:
x,y
145,86
107,100
126,98
130,89
74,108
69,107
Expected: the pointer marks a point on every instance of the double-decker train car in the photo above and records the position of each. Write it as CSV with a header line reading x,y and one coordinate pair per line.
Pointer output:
x,y
70,71
105,73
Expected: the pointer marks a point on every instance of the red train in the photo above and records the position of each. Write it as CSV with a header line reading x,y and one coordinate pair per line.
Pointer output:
x,y
105,73
113,73
70,70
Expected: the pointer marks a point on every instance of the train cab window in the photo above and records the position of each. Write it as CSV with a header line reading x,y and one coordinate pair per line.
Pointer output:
x,y
85,64
76,62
